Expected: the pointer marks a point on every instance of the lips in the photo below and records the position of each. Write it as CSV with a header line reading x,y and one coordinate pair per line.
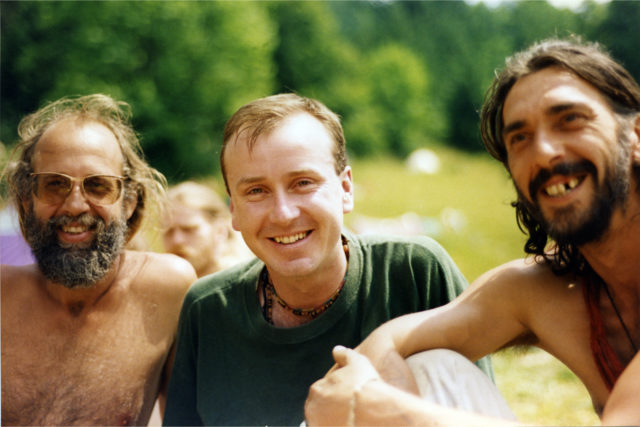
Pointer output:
x,y
561,179
78,230
287,240
74,229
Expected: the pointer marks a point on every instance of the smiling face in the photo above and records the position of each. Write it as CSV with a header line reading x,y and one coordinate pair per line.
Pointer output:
x,y
287,200
564,153
78,148
75,241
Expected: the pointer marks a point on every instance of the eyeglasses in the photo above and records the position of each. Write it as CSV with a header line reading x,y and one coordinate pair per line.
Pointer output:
x,y
54,188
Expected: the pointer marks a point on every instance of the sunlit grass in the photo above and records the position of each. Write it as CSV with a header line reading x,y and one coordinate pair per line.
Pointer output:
x,y
539,389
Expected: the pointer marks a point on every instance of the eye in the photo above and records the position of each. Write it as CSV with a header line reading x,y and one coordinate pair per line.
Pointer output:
x,y
254,190
573,119
517,138
54,185
98,186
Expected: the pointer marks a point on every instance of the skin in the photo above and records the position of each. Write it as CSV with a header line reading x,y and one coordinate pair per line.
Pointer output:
x,y
194,236
286,188
98,355
550,116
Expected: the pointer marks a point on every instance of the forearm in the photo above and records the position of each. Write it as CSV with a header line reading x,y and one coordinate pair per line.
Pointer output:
x,y
401,337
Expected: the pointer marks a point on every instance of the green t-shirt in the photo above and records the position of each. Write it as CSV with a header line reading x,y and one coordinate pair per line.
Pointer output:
x,y
234,368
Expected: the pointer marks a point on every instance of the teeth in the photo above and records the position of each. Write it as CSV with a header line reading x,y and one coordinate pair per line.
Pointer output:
x,y
561,189
573,182
290,239
73,229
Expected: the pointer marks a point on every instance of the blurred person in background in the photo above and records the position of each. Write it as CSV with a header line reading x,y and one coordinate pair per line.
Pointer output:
x,y
197,227
87,330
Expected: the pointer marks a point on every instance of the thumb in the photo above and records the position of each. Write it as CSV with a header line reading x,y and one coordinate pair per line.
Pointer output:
x,y
341,355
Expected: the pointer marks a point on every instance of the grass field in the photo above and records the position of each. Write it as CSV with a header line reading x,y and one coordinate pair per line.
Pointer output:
x,y
539,389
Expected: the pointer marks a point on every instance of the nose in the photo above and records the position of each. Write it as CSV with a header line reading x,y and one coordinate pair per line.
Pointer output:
x,y
76,202
547,149
284,208
173,237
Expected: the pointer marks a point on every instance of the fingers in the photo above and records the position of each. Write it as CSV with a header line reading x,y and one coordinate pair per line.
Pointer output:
x,y
340,355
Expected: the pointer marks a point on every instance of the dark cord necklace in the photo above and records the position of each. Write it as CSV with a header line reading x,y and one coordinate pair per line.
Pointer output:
x,y
615,308
269,294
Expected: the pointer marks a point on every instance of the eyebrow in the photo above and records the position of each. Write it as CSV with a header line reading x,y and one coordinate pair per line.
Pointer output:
x,y
255,179
551,111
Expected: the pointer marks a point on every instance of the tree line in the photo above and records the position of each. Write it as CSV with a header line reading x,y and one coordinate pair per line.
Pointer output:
x,y
401,74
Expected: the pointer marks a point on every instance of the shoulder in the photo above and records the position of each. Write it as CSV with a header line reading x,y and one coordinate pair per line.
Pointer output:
x,y
223,283
15,277
405,245
525,273
527,287
161,272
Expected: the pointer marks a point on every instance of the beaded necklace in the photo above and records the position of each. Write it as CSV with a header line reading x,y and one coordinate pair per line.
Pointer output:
x,y
269,294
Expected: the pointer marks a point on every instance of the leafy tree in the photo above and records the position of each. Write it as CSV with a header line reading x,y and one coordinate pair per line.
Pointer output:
x,y
183,66
619,32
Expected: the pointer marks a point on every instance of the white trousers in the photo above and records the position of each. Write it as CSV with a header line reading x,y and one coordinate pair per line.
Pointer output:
x,y
450,379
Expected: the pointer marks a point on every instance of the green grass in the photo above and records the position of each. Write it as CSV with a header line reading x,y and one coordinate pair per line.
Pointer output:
x,y
539,389
476,186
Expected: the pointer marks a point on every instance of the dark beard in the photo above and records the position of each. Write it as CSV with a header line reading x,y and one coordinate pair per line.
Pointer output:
x,y
570,227
71,265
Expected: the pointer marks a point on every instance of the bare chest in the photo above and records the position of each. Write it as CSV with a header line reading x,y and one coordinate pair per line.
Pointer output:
x,y
102,369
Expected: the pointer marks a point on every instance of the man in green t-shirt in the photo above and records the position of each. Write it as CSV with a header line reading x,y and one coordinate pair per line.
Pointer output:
x,y
252,339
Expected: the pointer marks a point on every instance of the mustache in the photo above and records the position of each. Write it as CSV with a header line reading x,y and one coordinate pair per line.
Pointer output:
x,y
83,219
564,169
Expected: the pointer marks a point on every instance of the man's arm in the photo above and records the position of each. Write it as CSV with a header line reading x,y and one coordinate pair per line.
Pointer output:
x,y
491,313
372,401
623,406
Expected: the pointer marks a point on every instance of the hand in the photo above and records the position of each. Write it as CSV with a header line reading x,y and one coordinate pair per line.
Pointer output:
x,y
331,399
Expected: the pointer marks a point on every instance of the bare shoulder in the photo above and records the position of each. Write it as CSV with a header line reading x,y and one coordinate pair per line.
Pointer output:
x,y
165,273
528,291
13,277
524,275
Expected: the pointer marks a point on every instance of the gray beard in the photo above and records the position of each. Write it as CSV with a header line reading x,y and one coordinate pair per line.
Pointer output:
x,y
70,265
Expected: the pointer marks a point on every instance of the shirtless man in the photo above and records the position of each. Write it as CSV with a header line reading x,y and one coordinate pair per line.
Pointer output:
x,y
564,119
87,330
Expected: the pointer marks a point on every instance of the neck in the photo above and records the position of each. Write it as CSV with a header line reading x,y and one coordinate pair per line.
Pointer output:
x,y
615,257
314,288
310,291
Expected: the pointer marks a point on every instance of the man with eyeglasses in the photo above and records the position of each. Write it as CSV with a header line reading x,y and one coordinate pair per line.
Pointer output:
x,y
86,331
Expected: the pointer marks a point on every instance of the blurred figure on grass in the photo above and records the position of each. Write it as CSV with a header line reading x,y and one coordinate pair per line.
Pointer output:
x,y
197,227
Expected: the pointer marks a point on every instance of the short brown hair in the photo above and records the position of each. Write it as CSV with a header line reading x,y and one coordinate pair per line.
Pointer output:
x,y
263,115
143,182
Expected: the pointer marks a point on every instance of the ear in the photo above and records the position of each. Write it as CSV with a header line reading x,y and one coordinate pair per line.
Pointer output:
x,y
635,143
346,182
234,216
